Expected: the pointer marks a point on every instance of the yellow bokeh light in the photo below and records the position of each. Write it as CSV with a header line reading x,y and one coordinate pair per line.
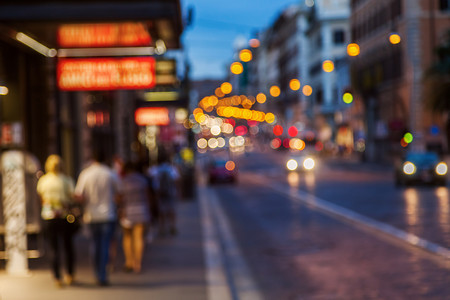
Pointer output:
x,y
226,87
236,68
269,118
294,84
219,93
307,90
261,98
4,90
245,55
212,101
328,66
275,91
254,43
394,38
198,110
347,98
353,49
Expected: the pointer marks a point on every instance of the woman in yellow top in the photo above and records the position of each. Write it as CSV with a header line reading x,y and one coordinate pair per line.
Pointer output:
x,y
56,191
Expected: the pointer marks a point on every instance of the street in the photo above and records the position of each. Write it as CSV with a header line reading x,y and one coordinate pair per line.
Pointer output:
x,y
295,250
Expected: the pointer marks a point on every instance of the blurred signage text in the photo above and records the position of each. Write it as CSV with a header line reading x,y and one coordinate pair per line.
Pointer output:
x,y
103,35
146,116
106,73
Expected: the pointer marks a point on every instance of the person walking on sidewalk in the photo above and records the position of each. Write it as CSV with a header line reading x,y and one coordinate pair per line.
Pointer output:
x,y
98,187
134,215
165,177
56,191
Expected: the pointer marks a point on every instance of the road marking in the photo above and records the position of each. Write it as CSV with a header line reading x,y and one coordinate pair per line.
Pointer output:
x,y
353,217
241,284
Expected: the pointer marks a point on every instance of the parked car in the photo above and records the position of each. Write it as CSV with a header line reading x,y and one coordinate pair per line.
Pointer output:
x,y
301,161
421,167
222,170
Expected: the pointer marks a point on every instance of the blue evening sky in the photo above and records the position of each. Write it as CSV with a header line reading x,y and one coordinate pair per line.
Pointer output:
x,y
218,24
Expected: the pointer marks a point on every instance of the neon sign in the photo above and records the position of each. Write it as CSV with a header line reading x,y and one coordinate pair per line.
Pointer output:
x,y
106,73
103,35
146,116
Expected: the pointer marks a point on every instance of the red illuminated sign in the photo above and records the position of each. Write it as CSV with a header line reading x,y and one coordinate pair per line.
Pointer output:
x,y
146,116
103,35
106,73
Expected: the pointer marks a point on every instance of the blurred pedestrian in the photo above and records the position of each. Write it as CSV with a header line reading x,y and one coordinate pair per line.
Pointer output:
x,y
56,191
134,216
165,177
98,187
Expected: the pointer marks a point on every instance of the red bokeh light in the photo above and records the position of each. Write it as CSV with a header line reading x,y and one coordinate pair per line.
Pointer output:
x,y
231,121
292,131
241,130
275,143
277,130
286,143
319,146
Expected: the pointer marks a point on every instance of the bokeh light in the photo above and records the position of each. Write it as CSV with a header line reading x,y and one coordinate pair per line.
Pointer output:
x,y
202,143
226,87
4,90
269,118
353,49
275,143
261,98
292,131
347,98
245,55
254,43
278,130
213,143
408,137
215,130
307,90
218,92
294,84
275,91
240,130
328,66
236,68
394,38
230,165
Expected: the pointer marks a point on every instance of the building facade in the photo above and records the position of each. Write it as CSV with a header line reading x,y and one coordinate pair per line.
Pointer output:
x,y
390,77
58,108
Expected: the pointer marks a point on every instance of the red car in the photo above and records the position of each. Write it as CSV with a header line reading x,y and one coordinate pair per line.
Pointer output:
x,y
222,170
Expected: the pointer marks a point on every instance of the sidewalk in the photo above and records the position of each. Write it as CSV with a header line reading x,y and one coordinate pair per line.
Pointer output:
x,y
173,269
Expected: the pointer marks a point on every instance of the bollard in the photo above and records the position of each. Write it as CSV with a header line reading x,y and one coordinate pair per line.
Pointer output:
x,y
14,210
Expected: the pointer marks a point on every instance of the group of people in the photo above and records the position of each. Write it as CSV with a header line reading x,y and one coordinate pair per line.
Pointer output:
x,y
130,198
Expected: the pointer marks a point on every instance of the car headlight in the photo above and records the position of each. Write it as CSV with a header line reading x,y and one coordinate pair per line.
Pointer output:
x,y
292,164
409,168
441,168
309,163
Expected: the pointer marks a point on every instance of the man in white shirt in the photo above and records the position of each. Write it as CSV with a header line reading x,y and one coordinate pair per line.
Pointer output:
x,y
97,187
